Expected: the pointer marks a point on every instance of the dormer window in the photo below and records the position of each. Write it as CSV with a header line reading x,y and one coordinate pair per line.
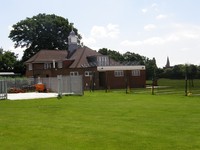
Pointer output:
x,y
103,60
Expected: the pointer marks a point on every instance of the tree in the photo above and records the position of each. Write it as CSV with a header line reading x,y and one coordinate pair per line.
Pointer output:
x,y
132,57
178,72
192,72
151,69
41,32
103,51
198,72
112,53
19,67
8,61
1,54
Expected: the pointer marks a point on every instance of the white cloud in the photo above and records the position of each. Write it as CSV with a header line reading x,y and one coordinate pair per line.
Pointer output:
x,y
186,31
161,16
181,42
185,49
149,27
190,34
154,5
185,34
144,10
152,41
98,32
88,41
172,37
110,31
131,43
113,30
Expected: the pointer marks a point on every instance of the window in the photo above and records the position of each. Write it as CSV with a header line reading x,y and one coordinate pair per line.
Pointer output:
x,y
103,61
119,73
75,73
136,73
88,73
47,65
60,64
30,66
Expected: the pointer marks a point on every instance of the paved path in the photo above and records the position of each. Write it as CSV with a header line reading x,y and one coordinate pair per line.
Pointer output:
x,y
33,95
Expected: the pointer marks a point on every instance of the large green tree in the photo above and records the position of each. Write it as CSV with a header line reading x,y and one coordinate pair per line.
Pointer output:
x,y
41,32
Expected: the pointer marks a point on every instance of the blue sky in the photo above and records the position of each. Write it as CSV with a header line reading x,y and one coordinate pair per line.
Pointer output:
x,y
152,28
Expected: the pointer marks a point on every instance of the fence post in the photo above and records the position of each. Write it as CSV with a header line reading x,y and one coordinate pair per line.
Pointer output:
x,y
59,85
3,89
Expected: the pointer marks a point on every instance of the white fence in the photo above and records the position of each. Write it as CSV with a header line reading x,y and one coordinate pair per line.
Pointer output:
x,y
3,89
72,85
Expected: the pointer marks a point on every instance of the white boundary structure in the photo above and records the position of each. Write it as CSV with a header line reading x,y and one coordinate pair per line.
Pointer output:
x,y
3,89
69,85
111,68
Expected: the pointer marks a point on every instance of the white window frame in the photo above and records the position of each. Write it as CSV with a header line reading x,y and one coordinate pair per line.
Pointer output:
x,y
60,64
74,73
136,73
47,65
119,73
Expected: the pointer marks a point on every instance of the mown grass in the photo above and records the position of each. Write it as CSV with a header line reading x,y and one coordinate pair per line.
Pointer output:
x,y
174,86
100,121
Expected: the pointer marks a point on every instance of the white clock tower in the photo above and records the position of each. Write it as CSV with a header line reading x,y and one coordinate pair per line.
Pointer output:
x,y
72,41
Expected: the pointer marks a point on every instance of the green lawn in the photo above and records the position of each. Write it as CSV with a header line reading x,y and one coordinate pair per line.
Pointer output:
x,y
100,121
174,86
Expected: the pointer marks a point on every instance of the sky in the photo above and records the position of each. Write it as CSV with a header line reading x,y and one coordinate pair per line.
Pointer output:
x,y
151,28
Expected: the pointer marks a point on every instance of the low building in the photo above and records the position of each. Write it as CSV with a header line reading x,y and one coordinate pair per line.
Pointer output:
x,y
98,71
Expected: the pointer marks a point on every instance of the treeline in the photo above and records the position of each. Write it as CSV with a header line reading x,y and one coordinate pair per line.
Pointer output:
x,y
180,72
9,62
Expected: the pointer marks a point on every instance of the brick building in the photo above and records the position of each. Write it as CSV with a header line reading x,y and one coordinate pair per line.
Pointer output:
x,y
98,71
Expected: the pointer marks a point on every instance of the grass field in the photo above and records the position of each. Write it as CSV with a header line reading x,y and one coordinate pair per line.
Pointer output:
x,y
167,86
100,121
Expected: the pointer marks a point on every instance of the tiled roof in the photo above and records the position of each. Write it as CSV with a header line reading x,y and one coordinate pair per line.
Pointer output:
x,y
48,56
80,57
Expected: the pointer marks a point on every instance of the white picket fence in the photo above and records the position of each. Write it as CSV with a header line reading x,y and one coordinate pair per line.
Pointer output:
x,y
3,89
